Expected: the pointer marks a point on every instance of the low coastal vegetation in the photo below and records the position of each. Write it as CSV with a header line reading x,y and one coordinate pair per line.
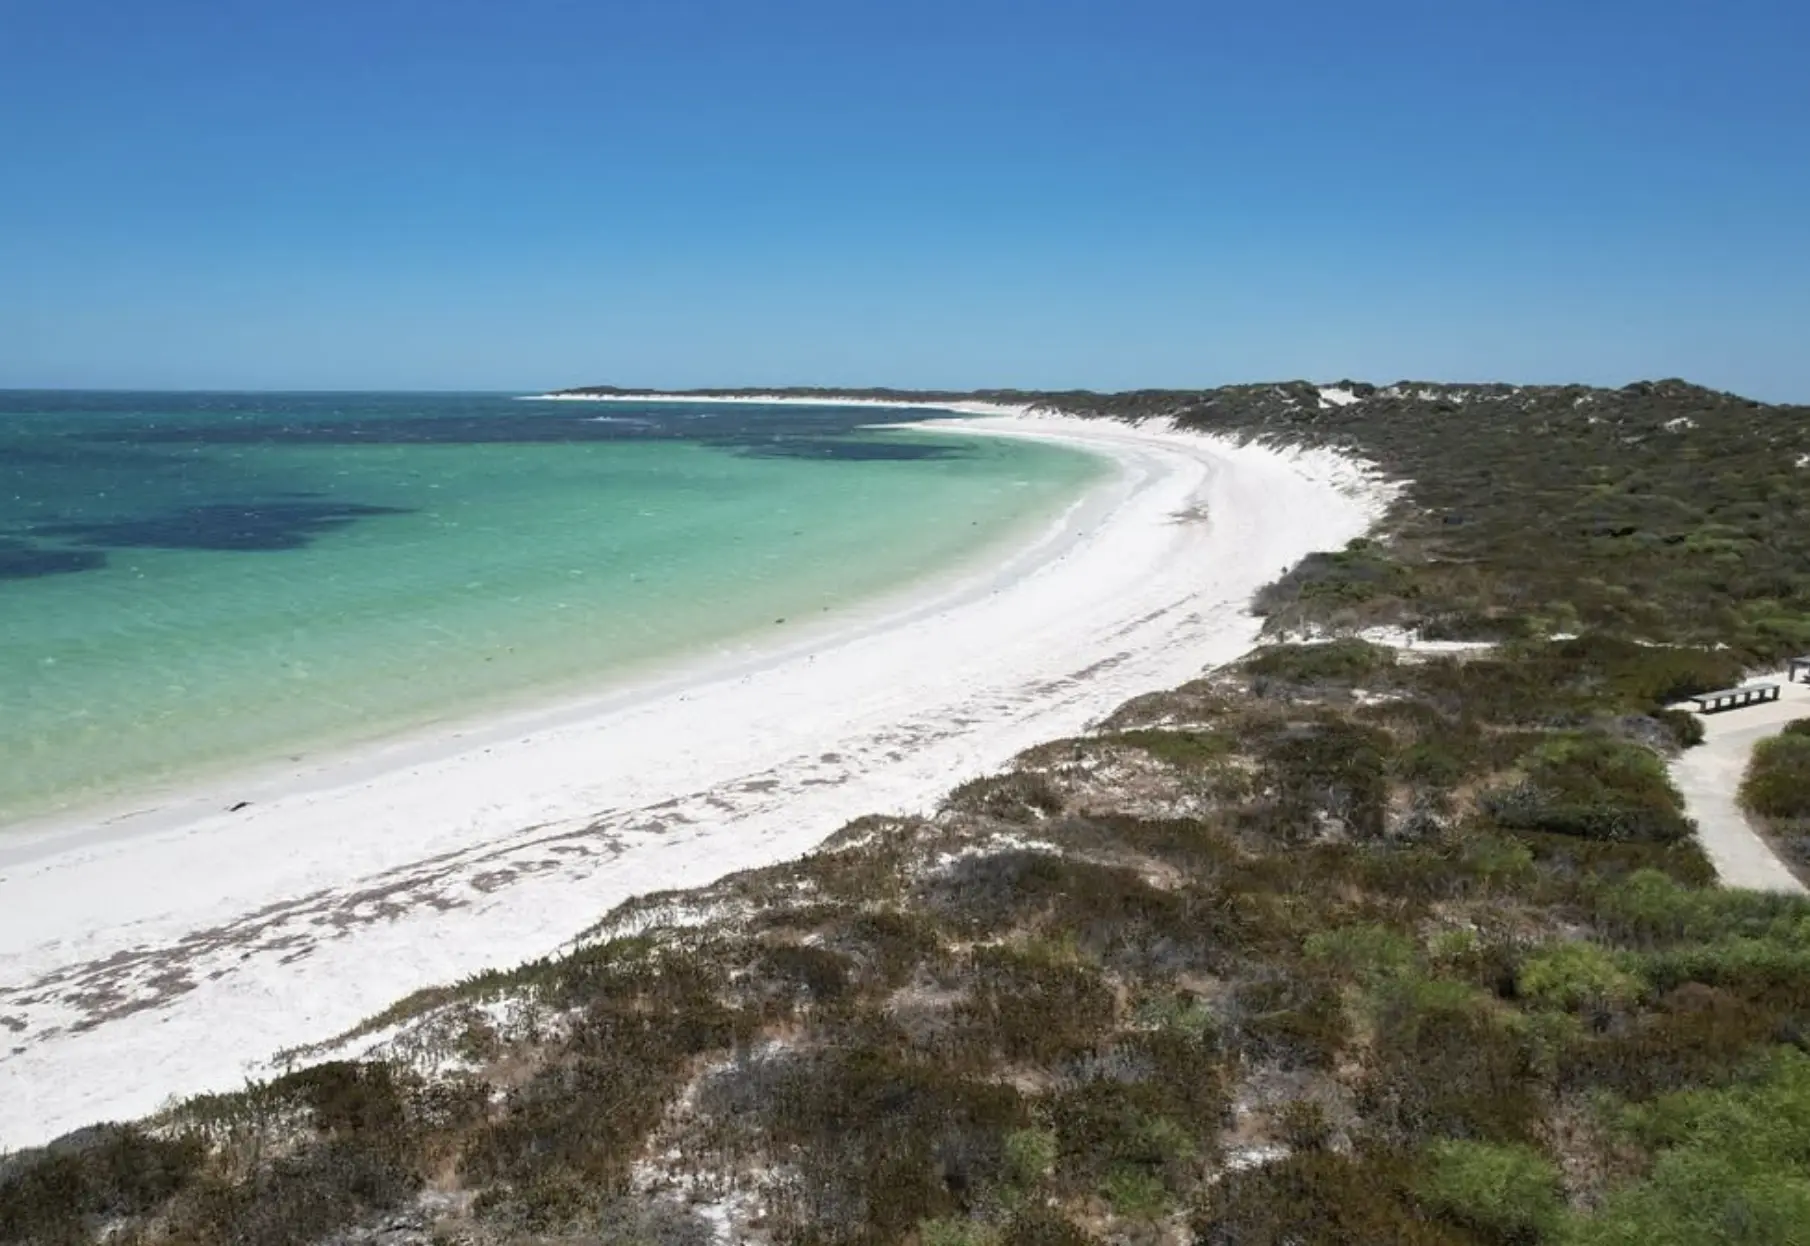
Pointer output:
x,y
1776,791
1338,944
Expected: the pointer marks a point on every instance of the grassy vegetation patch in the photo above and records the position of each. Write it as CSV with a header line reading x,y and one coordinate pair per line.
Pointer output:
x,y
1593,786
1342,661
1574,975
1777,783
1512,1193
1321,1199
1731,1165
1186,749
66,1193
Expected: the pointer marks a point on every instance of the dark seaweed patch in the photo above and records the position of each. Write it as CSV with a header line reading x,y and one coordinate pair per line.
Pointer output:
x,y
20,561
809,434
275,525
468,430
78,455
846,451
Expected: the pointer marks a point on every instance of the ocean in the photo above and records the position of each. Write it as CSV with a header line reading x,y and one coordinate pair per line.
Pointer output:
x,y
195,582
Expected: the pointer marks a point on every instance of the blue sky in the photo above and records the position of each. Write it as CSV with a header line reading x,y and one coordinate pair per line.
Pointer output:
x,y
454,194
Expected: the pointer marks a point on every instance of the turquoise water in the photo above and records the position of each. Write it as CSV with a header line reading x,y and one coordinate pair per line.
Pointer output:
x,y
189,582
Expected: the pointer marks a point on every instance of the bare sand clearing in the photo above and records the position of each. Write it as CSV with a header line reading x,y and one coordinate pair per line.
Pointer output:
x,y
174,948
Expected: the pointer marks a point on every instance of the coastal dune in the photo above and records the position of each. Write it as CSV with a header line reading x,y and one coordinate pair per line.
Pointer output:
x,y
179,947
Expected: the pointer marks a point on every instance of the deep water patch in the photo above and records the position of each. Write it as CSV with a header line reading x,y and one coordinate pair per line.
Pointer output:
x,y
761,431
263,526
22,561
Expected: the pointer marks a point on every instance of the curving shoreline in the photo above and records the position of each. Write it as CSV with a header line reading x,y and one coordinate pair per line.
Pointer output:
x,y
189,950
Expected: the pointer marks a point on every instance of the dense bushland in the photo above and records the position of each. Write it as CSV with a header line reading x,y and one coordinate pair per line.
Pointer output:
x,y
1662,511
1776,791
1777,784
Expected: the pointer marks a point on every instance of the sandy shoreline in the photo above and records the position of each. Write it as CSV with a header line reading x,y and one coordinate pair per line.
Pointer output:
x,y
175,951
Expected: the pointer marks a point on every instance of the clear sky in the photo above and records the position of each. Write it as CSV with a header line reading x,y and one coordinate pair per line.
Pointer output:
x,y
1112,193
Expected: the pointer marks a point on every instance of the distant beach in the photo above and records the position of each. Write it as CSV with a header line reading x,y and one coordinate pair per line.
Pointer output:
x,y
780,400
191,941
201,585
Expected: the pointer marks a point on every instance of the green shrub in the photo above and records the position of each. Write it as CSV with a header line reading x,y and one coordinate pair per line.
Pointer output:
x,y
1454,947
1417,993
1186,1069
1777,783
1103,1127
61,1193
1023,1006
1178,1013
1575,975
1586,865
1338,661
1644,676
1593,786
1496,860
1184,749
1337,770
297,1199
876,1139
1100,906
819,974
1480,625
886,945
1297,1021
1042,1226
1443,1064
1030,1155
1020,796
1511,1191
1650,908
1324,583
1685,728
1698,1036
1368,953
346,1097
1746,964
1437,764
1319,1199
1136,1193
1732,1166
954,1231
564,1139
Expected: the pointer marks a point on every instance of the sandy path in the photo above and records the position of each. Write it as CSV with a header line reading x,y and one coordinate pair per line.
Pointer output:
x,y
173,949
1710,775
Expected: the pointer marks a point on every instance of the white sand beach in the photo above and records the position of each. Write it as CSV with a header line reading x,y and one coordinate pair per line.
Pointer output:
x,y
174,948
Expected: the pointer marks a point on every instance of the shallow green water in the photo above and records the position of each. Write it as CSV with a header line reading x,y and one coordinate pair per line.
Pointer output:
x,y
189,582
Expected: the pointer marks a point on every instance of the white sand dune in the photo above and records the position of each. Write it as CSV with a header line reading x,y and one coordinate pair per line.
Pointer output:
x,y
175,948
